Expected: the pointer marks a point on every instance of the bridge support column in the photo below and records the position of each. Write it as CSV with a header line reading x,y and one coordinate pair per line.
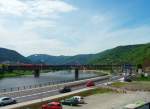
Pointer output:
x,y
36,73
76,74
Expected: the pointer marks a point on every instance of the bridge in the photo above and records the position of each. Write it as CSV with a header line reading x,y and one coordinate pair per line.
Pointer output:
x,y
38,67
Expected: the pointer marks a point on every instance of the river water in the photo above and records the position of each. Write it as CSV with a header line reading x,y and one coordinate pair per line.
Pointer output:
x,y
13,82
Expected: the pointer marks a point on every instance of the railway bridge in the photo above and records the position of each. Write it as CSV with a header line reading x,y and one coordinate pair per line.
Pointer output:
x,y
38,67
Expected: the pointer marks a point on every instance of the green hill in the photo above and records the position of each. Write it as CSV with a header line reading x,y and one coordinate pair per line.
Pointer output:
x,y
11,56
135,54
48,59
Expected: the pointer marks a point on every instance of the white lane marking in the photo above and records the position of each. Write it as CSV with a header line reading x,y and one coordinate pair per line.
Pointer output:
x,y
35,94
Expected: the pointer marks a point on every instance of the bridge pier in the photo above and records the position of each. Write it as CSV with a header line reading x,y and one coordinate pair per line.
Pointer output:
x,y
36,73
76,74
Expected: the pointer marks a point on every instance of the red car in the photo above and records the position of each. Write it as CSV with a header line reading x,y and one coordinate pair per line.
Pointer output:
x,y
52,105
90,83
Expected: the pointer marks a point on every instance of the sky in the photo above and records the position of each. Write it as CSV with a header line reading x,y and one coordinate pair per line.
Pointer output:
x,y
71,27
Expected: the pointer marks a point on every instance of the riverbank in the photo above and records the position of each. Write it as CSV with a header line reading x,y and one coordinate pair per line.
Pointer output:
x,y
18,73
15,74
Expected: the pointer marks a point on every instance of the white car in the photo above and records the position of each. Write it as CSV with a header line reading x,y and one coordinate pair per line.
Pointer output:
x,y
6,101
79,98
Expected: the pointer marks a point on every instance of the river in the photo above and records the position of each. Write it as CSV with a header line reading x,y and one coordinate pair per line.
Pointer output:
x,y
7,83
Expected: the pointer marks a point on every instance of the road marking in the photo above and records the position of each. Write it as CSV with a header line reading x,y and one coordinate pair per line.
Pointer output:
x,y
35,94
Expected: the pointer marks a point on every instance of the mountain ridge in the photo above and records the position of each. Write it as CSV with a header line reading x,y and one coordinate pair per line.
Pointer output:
x,y
134,54
11,56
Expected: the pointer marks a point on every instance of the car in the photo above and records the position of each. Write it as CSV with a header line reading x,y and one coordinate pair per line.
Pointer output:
x,y
79,98
90,83
52,105
7,100
128,79
65,89
70,101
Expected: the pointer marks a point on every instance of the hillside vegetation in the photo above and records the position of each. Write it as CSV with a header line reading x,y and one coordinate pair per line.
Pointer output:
x,y
78,59
134,54
11,56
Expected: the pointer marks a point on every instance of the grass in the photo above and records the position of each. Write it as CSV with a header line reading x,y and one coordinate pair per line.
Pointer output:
x,y
15,74
142,78
101,72
96,91
119,84
133,86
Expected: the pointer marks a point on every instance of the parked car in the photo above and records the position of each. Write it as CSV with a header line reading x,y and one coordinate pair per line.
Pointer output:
x,y
52,105
70,101
90,83
7,100
65,89
127,78
79,98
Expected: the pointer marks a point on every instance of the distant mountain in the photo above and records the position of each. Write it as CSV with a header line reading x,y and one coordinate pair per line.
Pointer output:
x,y
48,59
11,56
79,59
134,54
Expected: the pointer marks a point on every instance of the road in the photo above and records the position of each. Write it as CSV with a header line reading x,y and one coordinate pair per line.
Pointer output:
x,y
39,93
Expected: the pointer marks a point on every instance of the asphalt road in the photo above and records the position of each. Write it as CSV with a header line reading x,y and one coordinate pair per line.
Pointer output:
x,y
40,93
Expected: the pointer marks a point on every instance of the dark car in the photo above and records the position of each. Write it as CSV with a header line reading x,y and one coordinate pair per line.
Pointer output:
x,y
52,105
65,89
70,101
90,83
128,79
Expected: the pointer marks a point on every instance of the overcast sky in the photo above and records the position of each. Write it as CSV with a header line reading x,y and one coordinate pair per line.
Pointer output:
x,y
70,27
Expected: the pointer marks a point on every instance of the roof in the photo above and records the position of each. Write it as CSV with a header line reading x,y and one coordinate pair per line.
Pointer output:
x,y
146,63
3,98
55,103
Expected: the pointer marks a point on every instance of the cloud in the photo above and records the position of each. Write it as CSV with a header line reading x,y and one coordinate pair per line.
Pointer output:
x,y
34,8
38,26
22,20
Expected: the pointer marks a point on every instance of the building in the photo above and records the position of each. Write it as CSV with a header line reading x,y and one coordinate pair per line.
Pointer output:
x,y
146,67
